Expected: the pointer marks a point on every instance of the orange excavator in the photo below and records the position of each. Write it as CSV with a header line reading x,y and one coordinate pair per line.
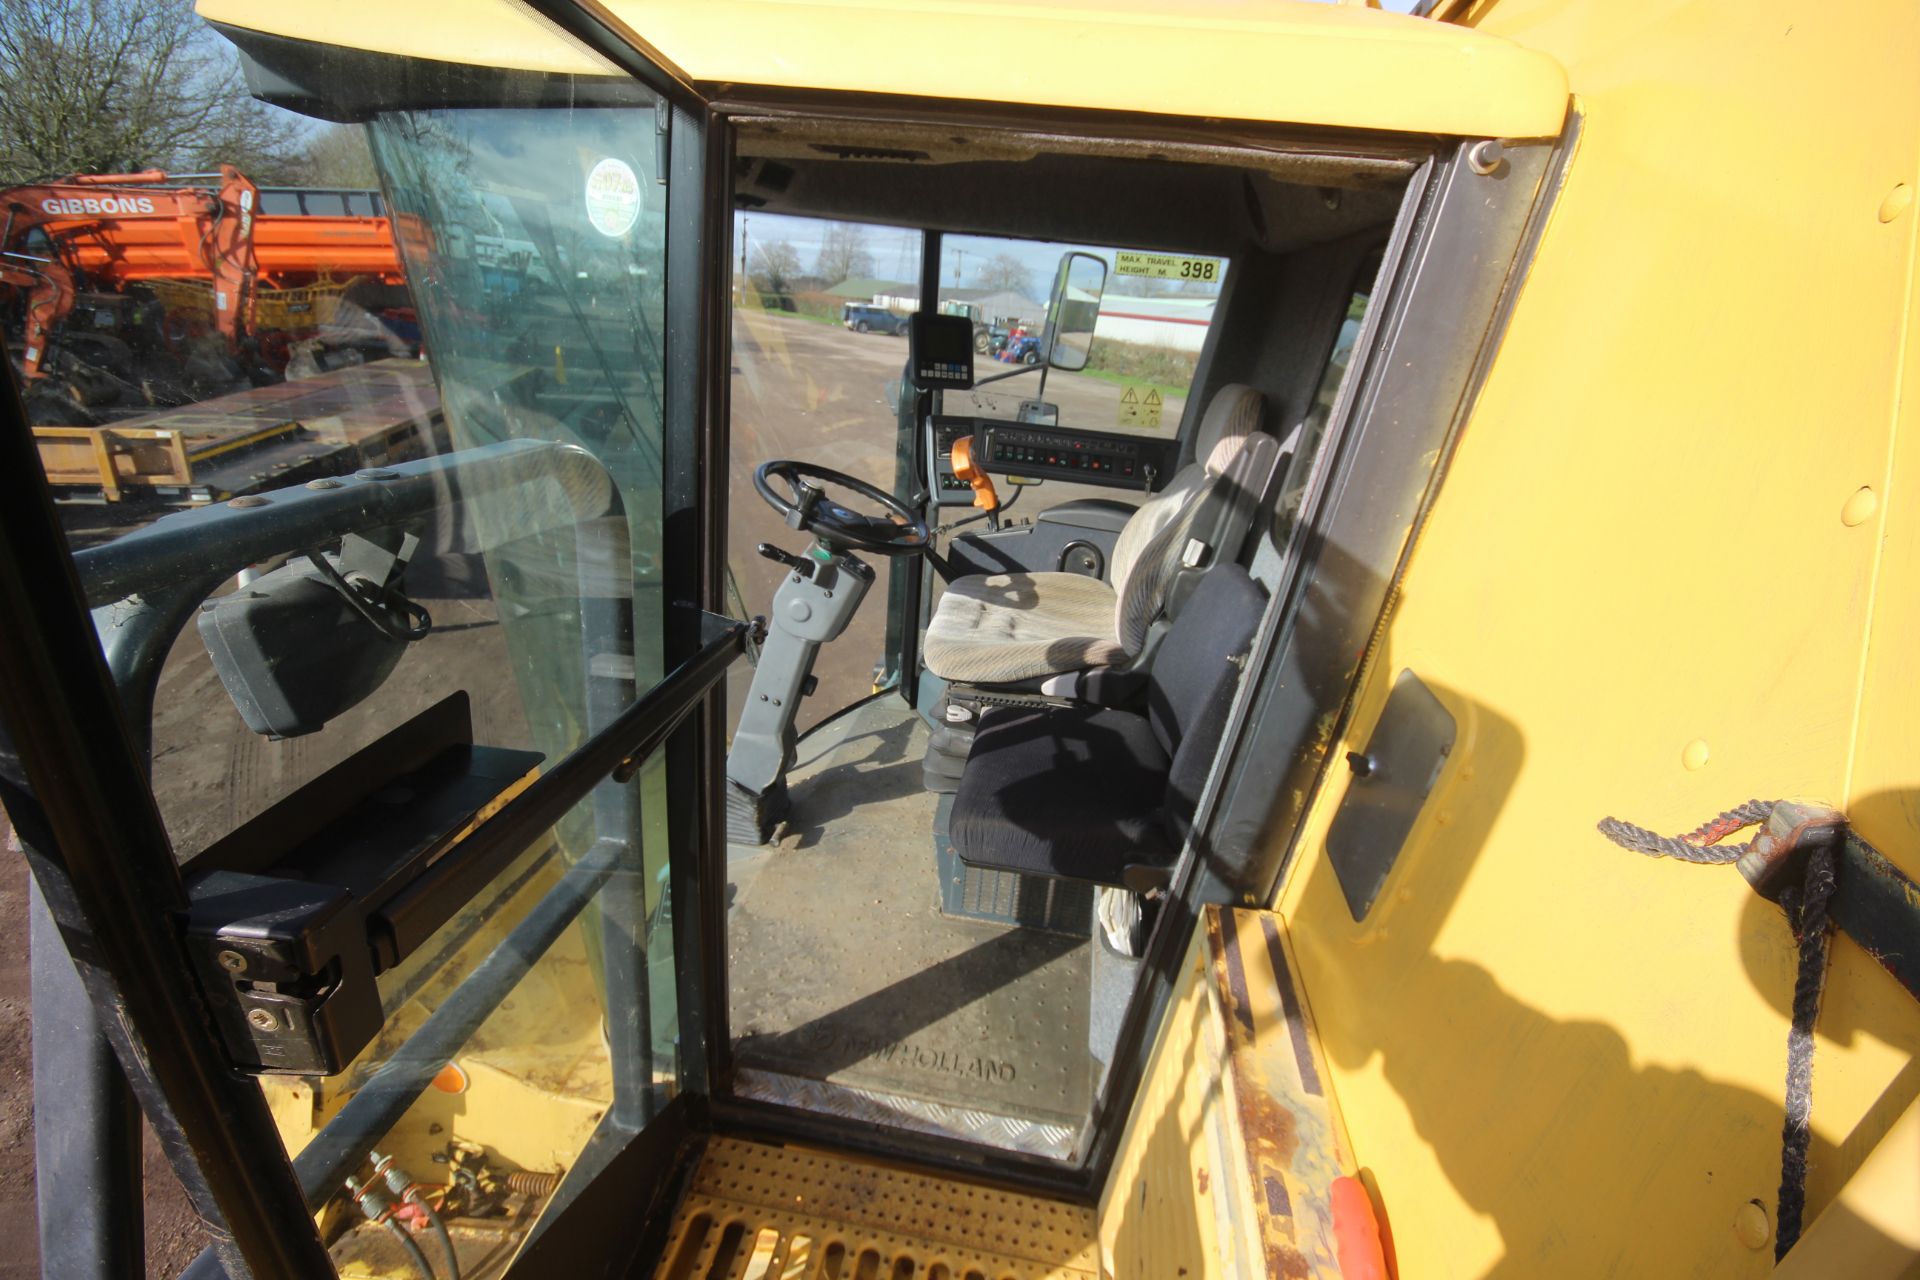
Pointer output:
x,y
108,233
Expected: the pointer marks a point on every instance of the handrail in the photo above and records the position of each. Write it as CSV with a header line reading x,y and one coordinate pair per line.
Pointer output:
x,y
618,749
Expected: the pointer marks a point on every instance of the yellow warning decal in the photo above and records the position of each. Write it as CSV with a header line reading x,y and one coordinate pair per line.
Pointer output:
x,y
1140,409
1166,266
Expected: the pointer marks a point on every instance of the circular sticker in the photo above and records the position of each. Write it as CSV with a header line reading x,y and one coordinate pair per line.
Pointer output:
x,y
613,198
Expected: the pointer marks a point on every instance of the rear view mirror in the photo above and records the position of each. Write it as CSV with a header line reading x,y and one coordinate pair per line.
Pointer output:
x,y
312,639
1074,310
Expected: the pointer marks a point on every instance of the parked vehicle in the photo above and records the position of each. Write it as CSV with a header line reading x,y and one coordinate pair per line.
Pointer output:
x,y
869,319
1020,346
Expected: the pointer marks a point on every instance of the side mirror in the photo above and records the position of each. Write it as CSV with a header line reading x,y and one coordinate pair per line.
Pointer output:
x,y
313,639
1074,310
1039,413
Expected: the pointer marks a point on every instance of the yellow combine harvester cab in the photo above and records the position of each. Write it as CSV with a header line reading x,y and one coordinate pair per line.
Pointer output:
x,y
1319,689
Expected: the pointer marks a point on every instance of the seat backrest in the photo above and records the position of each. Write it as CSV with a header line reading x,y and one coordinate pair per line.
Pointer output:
x,y
1147,553
1195,673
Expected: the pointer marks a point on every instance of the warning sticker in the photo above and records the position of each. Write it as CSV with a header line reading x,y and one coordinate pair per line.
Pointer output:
x,y
613,197
1140,409
1166,266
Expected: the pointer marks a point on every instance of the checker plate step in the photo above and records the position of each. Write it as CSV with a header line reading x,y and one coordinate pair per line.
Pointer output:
x,y
759,1212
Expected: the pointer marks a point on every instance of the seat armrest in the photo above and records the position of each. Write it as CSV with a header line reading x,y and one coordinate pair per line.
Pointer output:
x,y
1093,513
1099,686
1110,687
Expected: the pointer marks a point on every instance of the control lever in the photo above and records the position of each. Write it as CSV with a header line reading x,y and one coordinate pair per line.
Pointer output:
x,y
784,557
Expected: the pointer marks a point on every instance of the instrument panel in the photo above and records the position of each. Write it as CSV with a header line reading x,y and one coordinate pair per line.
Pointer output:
x,y
1045,453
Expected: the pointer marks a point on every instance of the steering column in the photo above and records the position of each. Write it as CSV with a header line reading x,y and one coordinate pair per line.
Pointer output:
x,y
814,603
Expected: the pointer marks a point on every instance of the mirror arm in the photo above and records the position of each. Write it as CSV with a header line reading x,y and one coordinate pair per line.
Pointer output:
x,y
1011,373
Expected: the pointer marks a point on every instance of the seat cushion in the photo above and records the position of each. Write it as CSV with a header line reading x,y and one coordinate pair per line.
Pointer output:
x,y
1075,792
993,628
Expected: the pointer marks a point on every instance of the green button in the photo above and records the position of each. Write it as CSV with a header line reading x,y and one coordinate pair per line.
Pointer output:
x,y
820,553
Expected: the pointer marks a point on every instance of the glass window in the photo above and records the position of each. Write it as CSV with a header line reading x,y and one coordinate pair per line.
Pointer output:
x,y
1149,327
1313,427
378,498
819,332
1151,323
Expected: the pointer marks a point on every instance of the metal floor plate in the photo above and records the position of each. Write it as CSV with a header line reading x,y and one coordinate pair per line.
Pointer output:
x,y
844,973
876,1107
787,1213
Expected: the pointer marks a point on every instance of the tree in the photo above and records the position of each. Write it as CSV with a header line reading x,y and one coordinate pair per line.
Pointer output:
x,y
338,157
843,253
776,263
111,86
1004,271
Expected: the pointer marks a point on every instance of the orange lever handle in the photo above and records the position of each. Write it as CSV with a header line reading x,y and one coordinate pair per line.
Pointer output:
x,y
985,496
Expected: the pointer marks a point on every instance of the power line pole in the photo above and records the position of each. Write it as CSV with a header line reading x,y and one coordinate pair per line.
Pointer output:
x,y
743,258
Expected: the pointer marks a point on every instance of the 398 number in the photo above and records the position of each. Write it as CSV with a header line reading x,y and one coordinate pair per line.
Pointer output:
x,y
1198,269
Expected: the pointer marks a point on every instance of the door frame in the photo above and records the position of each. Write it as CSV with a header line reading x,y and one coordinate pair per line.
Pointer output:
x,y
1448,281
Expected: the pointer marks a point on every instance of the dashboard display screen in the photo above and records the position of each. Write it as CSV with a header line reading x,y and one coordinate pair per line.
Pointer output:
x,y
940,351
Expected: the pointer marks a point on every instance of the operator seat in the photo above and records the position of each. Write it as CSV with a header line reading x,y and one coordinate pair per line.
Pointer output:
x,y
1088,792
1003,627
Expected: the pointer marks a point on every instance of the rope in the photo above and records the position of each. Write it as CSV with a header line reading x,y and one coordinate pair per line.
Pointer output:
x,y
1806,908
1701,845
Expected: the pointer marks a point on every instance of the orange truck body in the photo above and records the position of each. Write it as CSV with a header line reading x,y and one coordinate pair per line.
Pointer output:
x,y
113,230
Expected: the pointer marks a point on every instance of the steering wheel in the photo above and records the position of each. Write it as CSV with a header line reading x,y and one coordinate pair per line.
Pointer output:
x,y
899,532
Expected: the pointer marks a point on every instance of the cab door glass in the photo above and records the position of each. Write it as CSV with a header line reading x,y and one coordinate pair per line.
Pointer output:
x,y
367,498
819,345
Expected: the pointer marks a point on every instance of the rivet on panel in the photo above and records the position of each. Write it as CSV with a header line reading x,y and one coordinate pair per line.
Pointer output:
x,y
1896,202
1695,754
1859,507
1751,1226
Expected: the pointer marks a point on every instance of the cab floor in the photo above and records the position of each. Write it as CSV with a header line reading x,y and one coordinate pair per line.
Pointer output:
x,y
853,994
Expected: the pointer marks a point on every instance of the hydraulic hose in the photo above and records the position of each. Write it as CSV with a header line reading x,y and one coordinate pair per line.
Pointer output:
x,y
418,1258
440,1230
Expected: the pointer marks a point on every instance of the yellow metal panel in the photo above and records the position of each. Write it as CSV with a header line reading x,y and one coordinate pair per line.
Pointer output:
x,y
1872,1229
1161,1213
1285,61
1646,590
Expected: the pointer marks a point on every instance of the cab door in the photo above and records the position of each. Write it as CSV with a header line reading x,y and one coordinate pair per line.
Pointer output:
x,y
362,785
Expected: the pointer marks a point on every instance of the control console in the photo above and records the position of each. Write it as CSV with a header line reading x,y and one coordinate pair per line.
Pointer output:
x,y
949,490
1045,453
1075,455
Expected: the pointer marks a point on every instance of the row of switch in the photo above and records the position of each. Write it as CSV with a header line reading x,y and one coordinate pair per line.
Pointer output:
x,y
1102,463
